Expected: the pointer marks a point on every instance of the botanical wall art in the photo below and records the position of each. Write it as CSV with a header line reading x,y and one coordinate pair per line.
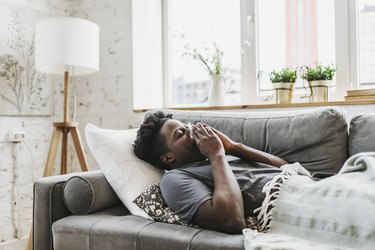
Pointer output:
x,y
23,90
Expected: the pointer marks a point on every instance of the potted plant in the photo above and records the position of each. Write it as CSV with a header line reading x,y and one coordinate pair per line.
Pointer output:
x,y
283,83
319,79
211,60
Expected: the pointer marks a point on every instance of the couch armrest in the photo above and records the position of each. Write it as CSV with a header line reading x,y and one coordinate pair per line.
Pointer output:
x,y
48,207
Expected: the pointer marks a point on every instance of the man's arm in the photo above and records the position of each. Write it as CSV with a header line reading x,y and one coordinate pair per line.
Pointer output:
x,y
247,153
224,212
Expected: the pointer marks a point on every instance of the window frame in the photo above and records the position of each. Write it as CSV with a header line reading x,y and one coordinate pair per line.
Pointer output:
x,y
167,75
354,44
347,58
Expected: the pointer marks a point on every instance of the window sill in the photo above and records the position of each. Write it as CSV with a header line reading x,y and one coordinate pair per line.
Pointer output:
x,y
262,106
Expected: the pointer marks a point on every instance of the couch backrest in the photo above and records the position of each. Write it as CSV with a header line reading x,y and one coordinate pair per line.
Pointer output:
x,y
362,134
317,138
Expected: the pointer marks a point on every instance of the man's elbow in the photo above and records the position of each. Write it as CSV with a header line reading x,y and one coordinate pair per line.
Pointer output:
x,y
234,225
279,163
232,218
225,220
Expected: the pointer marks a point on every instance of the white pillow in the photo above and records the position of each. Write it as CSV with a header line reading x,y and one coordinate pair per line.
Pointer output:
x,y
128,175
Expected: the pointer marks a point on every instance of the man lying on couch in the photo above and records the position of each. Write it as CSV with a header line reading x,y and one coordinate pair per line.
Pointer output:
x,y
203,185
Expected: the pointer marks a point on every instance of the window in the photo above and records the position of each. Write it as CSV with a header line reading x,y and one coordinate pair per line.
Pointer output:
x,y
255,36
270,34
293,33
366,40
199,27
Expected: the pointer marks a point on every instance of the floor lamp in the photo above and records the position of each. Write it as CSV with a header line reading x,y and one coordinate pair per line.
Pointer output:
x,y
64,46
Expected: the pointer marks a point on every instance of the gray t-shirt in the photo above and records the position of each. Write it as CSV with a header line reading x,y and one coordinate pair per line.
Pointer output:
x,y
185,189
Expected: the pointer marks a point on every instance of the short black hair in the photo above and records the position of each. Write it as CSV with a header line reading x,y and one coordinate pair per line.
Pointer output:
x,y
149,144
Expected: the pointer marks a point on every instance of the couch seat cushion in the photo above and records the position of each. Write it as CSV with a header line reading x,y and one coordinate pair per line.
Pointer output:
x,y
100,231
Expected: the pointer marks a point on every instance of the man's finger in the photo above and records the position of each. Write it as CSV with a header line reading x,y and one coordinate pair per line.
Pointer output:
x,y
202,129
214,129
209,130
197,131
217,132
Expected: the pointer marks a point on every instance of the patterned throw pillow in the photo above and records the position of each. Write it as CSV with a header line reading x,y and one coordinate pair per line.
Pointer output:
x,y
252,223
153,204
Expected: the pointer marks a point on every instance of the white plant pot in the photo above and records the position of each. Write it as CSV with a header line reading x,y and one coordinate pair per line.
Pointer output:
x,y
320,90
283,92
217,91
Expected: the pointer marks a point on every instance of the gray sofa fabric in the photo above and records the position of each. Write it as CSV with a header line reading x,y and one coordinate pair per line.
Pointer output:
x,y
94,194
108,231
317,138
362,136
75,232
48,207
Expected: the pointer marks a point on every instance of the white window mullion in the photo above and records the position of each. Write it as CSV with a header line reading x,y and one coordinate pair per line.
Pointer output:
x,y
246,47
147,56
167,78
354,54
250,52
343,64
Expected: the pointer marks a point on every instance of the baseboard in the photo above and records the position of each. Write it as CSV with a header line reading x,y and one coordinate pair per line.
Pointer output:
x,y
16,244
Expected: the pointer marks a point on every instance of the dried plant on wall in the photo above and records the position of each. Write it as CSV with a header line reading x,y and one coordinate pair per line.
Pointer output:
x,y
23,90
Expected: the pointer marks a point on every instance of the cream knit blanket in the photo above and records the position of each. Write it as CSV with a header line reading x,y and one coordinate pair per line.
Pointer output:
x,y
335,213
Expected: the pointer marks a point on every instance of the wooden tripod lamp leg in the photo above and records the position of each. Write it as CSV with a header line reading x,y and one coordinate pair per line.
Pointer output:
x,y
52,151
79,148
64,151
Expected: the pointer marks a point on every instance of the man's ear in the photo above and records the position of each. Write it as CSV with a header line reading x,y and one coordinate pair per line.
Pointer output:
x,y
167,158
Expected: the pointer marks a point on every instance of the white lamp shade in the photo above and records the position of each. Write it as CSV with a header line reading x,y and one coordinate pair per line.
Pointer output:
x,y
66,43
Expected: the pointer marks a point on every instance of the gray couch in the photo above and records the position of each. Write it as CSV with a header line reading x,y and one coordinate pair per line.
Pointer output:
x,y
320,139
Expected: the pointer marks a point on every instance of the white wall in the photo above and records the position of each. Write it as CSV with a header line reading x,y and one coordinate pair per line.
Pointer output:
x,y
28,157
106,98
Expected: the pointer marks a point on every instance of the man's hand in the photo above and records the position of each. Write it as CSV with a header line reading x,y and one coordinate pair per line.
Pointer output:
x,y
228,143
246,153
208,142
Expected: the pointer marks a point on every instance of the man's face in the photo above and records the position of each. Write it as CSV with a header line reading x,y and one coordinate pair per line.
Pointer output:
x,y
182,149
